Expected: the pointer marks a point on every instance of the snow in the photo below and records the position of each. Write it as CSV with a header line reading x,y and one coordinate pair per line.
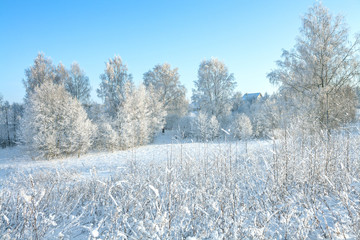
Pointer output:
x,y
95,233
104,164
171,189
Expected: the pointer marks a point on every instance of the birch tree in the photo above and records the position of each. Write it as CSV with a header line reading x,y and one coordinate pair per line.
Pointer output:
x,y
9,122
202,126
112,85
321,71
78,84
42,71
140,116
214,127
6,124
214,88
243,128
16,114
61,74
170,91
2,123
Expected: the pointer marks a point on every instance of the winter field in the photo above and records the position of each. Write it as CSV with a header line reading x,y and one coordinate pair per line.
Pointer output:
x,y
289,188
145,160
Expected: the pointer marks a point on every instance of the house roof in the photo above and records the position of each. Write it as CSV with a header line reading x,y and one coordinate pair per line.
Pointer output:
x,y
251,96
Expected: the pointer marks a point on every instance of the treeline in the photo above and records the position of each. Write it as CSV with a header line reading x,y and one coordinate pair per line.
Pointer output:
x,y
59,118
58,108
10,115
317,79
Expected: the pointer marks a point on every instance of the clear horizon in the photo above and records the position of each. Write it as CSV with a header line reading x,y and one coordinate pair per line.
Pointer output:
x,y
247,36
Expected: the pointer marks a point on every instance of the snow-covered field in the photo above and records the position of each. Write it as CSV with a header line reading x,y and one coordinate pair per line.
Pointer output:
x,y
183,190
16,160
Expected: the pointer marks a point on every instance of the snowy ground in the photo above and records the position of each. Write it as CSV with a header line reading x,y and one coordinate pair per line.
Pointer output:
x,y
16,160
186,190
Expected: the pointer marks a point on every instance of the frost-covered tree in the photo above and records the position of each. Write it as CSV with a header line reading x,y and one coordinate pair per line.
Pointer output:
x,y
206,127
170,91
3,139
106,138
140,117
134,118
75,80
9,122
186,127
202,126
78,84
95,112
54,123
264,116
61,74
322,69
112,86
42,71
6,122
157,108
214,127
214,88
16,113
237,102
242,127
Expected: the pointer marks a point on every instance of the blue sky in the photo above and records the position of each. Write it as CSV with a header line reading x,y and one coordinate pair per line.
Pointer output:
x,y
247,35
